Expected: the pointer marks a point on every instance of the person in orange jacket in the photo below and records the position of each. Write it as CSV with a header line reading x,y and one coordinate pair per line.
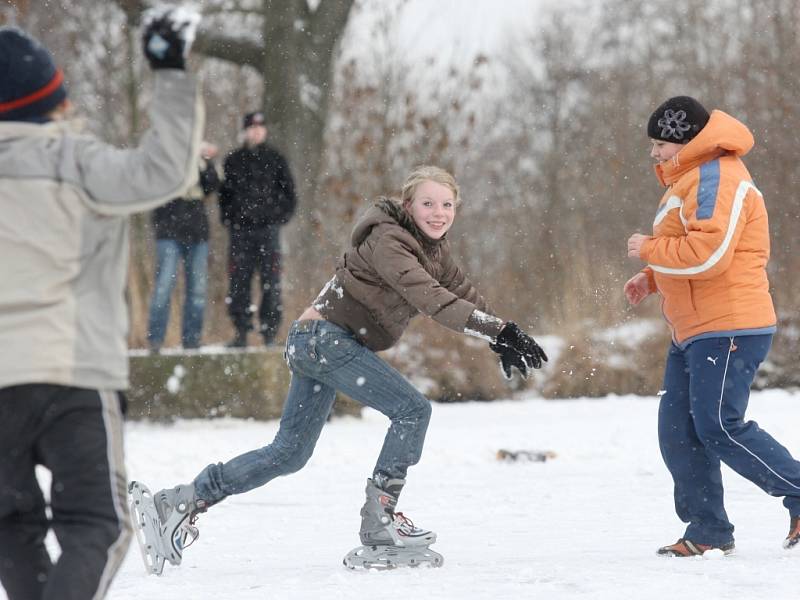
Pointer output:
x,y
707,259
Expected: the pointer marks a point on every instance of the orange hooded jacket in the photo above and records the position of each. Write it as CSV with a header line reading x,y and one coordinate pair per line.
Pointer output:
x,y
710,243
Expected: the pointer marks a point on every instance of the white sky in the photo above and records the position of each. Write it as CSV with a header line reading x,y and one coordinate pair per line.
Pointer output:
x,y
450,29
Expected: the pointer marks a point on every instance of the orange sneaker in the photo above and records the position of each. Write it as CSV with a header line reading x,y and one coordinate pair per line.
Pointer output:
x,y
683,548
793,539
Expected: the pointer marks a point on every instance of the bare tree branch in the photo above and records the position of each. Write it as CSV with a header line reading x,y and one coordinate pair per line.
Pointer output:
x,y
232,49
221,10
133,9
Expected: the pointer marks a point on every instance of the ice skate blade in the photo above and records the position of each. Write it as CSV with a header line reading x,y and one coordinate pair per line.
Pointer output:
x,y
391,557
144,519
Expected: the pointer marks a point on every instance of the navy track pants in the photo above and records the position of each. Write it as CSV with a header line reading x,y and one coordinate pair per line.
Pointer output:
x,y
701,422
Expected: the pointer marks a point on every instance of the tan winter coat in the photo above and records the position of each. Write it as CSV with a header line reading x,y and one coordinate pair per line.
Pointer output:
x,y
64,201
393,272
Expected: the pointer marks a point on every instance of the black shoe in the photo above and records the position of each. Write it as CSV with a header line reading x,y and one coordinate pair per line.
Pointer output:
x,y
239,341
268,334
155,349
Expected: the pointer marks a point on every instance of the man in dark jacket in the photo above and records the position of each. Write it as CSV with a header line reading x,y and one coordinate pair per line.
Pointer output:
x,y
181,230
256,198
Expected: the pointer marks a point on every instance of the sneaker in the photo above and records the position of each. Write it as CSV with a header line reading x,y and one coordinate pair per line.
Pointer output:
x,y
683,548
793,539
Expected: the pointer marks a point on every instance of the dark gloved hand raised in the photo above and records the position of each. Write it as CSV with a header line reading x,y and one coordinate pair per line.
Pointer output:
x,y
167,36
517,349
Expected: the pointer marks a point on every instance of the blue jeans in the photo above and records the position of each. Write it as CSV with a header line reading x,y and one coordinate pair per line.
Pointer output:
x,y
701,422
324,358
195,263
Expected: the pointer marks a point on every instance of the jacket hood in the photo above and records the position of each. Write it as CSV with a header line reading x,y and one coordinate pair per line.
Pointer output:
x,y
723,134
51,129
387,211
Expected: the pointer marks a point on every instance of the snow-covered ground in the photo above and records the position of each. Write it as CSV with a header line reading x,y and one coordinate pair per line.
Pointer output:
x,y
583,525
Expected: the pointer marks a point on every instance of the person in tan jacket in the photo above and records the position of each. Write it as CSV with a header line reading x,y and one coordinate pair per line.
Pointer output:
x,y
707,260
398,265
65,198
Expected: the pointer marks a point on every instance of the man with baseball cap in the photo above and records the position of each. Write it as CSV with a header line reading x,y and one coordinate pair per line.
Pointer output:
x,y
256,199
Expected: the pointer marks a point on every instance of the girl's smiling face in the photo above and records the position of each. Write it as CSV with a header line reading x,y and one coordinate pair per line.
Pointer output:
x,y
433,208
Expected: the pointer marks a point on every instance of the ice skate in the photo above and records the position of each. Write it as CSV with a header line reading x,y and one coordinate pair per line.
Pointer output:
x,y
164,523
389,538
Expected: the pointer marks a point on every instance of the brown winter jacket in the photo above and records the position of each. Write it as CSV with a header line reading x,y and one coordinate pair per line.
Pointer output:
x,y
391,273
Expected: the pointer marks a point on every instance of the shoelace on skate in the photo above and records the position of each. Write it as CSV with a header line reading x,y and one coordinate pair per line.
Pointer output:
x,y
188,532
405,525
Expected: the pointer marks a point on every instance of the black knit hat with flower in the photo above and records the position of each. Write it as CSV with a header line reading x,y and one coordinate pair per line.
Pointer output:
x,y
678,120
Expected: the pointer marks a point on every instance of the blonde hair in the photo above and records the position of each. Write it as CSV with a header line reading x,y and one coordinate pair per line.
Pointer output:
x,y
423,173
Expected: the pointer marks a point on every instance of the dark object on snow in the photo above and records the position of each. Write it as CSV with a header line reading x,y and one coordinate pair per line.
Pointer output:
x,y
525,455
517,349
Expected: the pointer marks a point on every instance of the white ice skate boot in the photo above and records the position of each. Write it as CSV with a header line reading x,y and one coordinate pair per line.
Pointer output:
x,y
389,538
164,523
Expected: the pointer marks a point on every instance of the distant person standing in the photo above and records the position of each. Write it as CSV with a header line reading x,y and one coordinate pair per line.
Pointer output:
x,y
256,199
181,230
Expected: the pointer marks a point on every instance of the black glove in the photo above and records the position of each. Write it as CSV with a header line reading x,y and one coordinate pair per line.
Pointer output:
x,y
517,349
164,43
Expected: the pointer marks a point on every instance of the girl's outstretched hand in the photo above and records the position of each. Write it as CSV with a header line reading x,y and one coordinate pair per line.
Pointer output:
x,y
517,349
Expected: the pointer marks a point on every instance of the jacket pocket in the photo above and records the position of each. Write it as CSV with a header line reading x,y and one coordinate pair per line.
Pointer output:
x,y
692,296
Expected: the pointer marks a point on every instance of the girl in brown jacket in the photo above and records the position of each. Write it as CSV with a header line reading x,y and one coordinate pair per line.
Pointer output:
x,y
398,265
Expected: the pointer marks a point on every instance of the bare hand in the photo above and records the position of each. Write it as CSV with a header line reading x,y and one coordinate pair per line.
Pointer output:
x,y
208,150
637,288
635,244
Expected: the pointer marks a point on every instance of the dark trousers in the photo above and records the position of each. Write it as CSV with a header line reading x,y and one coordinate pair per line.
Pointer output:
x,y
701,422
250,251
77,435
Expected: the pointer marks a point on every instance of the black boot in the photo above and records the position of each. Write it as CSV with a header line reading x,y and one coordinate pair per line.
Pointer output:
x,y
268,334
239,340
